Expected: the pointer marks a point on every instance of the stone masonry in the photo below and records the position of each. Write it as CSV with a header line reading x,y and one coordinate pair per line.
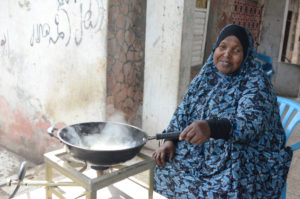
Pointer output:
x,y
125,60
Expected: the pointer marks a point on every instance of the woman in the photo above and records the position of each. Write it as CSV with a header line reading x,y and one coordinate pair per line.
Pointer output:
x,y
232,143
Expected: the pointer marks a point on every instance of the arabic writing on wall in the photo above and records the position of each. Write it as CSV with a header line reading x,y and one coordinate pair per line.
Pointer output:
x,y
72,19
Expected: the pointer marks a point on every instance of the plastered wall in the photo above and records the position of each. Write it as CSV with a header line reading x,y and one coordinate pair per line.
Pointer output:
x,y
164,23
53,69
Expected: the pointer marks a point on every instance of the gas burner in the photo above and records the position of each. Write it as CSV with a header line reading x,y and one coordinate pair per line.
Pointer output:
x,y
99,168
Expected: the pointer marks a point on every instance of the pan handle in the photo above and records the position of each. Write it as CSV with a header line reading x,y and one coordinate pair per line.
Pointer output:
x,y
170,135
51,130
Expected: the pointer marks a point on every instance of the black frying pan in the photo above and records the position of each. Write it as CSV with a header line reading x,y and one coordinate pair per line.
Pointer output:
x,y
73,137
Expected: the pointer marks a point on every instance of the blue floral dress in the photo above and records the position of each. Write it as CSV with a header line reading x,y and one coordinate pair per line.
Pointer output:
x,y
253,163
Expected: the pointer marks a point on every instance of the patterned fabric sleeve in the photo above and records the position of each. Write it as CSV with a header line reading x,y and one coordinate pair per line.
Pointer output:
x,y
253,111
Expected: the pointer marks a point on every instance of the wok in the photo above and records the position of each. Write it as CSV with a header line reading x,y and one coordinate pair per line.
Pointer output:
x,y
75,138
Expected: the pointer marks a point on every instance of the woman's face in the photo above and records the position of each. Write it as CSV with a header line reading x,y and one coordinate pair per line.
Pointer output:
x,y
228,56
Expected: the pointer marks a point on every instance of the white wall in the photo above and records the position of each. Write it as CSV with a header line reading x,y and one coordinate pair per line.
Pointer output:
x,y
53,58
162,63
53,69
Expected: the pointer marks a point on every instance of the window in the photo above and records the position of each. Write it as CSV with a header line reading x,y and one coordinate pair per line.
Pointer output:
x,y
201,3
290,48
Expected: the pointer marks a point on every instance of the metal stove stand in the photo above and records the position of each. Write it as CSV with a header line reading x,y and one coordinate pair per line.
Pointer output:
x,y
54,160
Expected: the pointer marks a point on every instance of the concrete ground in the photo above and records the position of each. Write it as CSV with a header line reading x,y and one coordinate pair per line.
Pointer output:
x,y
125,189
9,167
10,163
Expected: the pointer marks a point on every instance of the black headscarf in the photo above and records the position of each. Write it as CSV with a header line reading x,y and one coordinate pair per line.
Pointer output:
x,y
237,31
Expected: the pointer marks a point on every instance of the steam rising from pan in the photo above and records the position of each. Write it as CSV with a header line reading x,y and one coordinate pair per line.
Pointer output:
x,y
111,137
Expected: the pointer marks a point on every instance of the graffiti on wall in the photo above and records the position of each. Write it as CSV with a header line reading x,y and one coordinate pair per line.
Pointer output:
x,y
72,19
4,44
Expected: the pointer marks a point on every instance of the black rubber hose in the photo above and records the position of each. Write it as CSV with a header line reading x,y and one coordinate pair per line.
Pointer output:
x,y
21,176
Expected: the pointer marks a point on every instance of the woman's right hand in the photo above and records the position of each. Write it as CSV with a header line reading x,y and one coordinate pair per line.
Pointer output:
x,y
160,154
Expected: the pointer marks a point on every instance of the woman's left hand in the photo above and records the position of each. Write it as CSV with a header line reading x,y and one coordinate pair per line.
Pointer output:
x,y
197,133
